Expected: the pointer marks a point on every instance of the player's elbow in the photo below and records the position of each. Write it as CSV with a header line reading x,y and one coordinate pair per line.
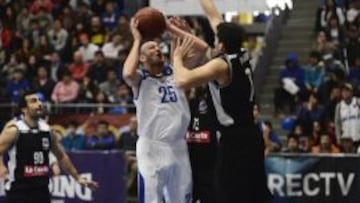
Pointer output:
x,y
128,75
182,82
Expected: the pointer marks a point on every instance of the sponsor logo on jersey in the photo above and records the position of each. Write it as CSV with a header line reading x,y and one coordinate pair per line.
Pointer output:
x,y
33,171
45,143
202,137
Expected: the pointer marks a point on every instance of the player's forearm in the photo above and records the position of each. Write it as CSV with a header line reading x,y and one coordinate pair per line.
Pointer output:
x,y
131,62
68,167
181,73
212,13
199,44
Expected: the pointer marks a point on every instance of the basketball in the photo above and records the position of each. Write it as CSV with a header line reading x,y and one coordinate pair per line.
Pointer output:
x,y
152,22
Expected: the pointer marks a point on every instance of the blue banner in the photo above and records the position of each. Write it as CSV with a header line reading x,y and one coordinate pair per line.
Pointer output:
x,y
314,179
107,168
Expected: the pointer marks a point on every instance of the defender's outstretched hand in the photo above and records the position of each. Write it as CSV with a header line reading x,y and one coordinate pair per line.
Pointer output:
x,y
183,47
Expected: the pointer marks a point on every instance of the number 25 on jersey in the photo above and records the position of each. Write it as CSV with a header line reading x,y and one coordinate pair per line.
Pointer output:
x,y
168,94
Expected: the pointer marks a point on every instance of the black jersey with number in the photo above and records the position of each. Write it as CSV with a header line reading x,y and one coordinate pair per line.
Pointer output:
x,y
201,136
234,102
28,162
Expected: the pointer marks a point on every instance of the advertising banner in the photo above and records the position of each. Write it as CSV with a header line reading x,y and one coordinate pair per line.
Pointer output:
x,y
309,179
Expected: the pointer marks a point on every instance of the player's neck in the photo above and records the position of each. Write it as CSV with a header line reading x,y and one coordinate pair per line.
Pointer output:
x,y
156,70
30,121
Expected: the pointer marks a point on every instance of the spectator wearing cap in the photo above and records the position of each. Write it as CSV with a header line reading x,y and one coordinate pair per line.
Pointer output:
x,y
87,49
347,116
65,90
79,68
112,49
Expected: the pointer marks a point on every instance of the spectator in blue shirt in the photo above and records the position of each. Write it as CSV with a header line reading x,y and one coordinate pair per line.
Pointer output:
x,y
295,73
271,138
354,75
73,140
17,85
103,138
314,72
310,112
111,15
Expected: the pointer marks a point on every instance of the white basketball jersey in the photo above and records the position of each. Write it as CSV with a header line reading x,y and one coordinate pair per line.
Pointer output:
x,y
162,108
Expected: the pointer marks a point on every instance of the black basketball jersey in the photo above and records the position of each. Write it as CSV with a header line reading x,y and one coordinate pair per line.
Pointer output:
x,y
234,102
28,162
201,136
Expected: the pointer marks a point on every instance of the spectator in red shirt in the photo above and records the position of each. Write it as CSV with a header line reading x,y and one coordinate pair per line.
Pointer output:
x,y
79,68
5,36
37,4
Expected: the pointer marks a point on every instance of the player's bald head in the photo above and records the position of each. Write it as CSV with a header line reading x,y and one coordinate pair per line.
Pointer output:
x,y
147,45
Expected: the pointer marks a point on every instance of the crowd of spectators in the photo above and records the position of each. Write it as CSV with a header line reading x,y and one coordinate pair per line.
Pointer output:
x,y
70,51
323,114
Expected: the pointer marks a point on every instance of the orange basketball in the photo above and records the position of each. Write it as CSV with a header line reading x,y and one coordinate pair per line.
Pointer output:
x,y
152,22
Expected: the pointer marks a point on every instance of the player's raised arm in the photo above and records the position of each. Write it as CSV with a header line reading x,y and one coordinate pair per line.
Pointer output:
x,y
216,69
66,163
180,29
212,13
132,61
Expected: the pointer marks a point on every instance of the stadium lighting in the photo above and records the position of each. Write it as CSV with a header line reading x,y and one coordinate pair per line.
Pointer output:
x,y
280,3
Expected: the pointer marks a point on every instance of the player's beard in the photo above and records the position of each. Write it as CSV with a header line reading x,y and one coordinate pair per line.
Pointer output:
x,y
36,114
156,61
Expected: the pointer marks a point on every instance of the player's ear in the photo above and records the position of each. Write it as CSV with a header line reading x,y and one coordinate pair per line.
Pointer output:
x,y
221,47
142,58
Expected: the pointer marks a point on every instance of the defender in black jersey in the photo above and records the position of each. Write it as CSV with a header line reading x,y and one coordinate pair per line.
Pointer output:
x,y
240,173
28,140
202,144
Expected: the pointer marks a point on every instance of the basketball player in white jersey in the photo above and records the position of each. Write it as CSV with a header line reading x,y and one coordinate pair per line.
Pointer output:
x,y
163,118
